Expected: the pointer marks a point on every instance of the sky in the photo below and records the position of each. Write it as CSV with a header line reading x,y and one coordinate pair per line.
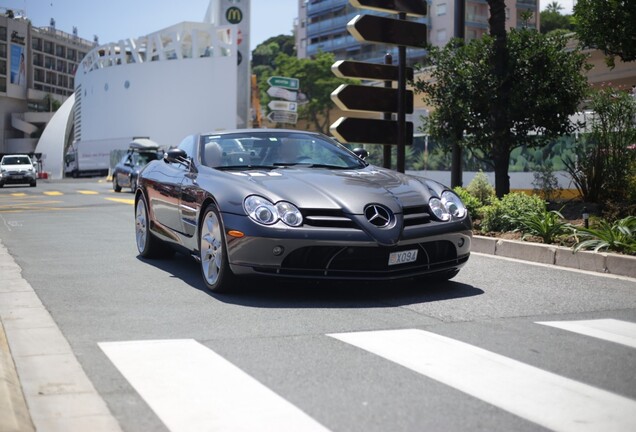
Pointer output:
x,y
112,20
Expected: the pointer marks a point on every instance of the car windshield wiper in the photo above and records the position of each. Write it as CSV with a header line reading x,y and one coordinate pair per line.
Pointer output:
x,y
312,165
244,167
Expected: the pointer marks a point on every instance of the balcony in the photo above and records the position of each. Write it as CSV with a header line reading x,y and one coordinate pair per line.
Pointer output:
x,y
323,6
328,26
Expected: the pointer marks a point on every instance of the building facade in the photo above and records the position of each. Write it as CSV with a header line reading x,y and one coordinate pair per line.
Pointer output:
x,y
322,26
37,68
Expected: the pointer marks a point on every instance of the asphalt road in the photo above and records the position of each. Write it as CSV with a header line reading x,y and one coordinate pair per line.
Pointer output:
x,y
487,351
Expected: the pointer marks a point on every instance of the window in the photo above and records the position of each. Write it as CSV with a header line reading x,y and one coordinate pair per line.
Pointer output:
x,y
70,54
441,9
48,47
36,43
60,51
3,33
3,50
3,67
3,85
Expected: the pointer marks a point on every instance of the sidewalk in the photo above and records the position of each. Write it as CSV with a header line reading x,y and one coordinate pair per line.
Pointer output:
x,y
44,388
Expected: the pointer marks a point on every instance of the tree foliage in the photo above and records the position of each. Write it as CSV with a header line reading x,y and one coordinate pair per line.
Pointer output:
x,y
500,95
608,25
316,84
605,158
552,19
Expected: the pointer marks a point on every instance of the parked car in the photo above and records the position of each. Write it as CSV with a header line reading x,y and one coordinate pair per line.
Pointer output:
x,y
17,169
298,205
126,172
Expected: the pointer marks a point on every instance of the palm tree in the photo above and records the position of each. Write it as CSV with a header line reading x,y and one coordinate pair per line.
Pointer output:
x,y
554,7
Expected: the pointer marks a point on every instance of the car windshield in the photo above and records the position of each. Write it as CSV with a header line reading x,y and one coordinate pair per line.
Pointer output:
x,y
275,149
141,159
16,160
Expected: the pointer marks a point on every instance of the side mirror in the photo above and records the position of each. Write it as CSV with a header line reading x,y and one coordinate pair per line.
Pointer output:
x,y
361,153
175,156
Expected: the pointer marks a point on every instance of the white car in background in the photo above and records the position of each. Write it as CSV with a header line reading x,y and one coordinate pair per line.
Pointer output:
x,y
16,169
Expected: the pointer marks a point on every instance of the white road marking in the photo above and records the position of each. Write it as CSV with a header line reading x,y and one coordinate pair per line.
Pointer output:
x,y
191,388
621,332
547,399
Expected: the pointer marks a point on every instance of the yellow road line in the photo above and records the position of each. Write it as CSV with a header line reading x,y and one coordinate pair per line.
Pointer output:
x,y
53,193
18,194
88,192
122,200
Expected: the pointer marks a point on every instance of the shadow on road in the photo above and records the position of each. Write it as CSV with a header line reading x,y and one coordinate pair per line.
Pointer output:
x,y
300,293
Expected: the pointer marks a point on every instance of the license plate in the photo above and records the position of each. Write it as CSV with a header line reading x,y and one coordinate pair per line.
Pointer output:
x,y
17,177
402,257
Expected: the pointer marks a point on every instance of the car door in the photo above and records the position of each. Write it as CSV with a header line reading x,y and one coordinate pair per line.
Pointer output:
x,y
165,191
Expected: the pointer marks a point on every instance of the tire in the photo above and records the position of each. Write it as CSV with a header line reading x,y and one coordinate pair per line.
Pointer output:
x,y
116,186
215,267
148,245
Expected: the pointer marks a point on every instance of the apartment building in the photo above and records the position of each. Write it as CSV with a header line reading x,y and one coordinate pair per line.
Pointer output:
x,y
321,26
37,68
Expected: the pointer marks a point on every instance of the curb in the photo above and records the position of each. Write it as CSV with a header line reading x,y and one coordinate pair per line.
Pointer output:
x,y
14,414
600,262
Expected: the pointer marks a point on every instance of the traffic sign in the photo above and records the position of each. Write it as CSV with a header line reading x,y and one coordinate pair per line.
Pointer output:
x,y
277,105
369,98
377,29
410,7
284,82
369,131
279,92
283,117
370,71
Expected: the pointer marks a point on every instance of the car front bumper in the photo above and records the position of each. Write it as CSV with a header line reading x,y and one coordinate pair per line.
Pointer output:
x,y
343,253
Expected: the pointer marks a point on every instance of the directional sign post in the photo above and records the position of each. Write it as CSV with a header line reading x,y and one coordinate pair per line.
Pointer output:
x,y
277,105
367,98
380,30
284,82
283,117
279,92
371,131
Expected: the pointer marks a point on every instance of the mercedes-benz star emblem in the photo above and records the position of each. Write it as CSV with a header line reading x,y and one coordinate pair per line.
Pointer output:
x,y
378,215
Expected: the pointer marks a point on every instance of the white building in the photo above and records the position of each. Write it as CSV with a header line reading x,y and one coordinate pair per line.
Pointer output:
x,y
174,82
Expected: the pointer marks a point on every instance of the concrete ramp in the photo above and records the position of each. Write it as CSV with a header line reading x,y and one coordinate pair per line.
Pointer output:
x,y
18,122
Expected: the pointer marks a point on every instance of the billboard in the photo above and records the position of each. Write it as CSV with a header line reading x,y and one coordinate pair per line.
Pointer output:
x,y
18,65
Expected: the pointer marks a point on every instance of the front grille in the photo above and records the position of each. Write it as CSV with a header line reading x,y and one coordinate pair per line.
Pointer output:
x,y
414,216
322,218
368,262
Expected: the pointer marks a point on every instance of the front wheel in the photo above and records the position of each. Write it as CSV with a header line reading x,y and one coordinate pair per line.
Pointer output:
x,y
215,267
148,245
116,186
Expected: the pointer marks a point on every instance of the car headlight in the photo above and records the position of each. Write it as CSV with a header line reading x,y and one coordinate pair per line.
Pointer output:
x,y
267,213
438,209
453,204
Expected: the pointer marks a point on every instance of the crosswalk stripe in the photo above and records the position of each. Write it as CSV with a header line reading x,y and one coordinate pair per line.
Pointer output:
x,y
547,399
621,332
191,388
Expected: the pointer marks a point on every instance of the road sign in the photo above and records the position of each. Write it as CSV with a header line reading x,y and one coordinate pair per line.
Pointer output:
x,y
284,82
377,29
279,92
369,98
370,71
277,105
370,131
410,7
283,117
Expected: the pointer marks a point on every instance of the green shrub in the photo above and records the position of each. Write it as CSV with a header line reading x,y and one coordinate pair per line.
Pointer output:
x,y
480,188
471,202
548,225
619,236
503,214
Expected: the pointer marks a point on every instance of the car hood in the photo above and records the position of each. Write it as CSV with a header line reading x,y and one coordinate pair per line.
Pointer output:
x,y
348,190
